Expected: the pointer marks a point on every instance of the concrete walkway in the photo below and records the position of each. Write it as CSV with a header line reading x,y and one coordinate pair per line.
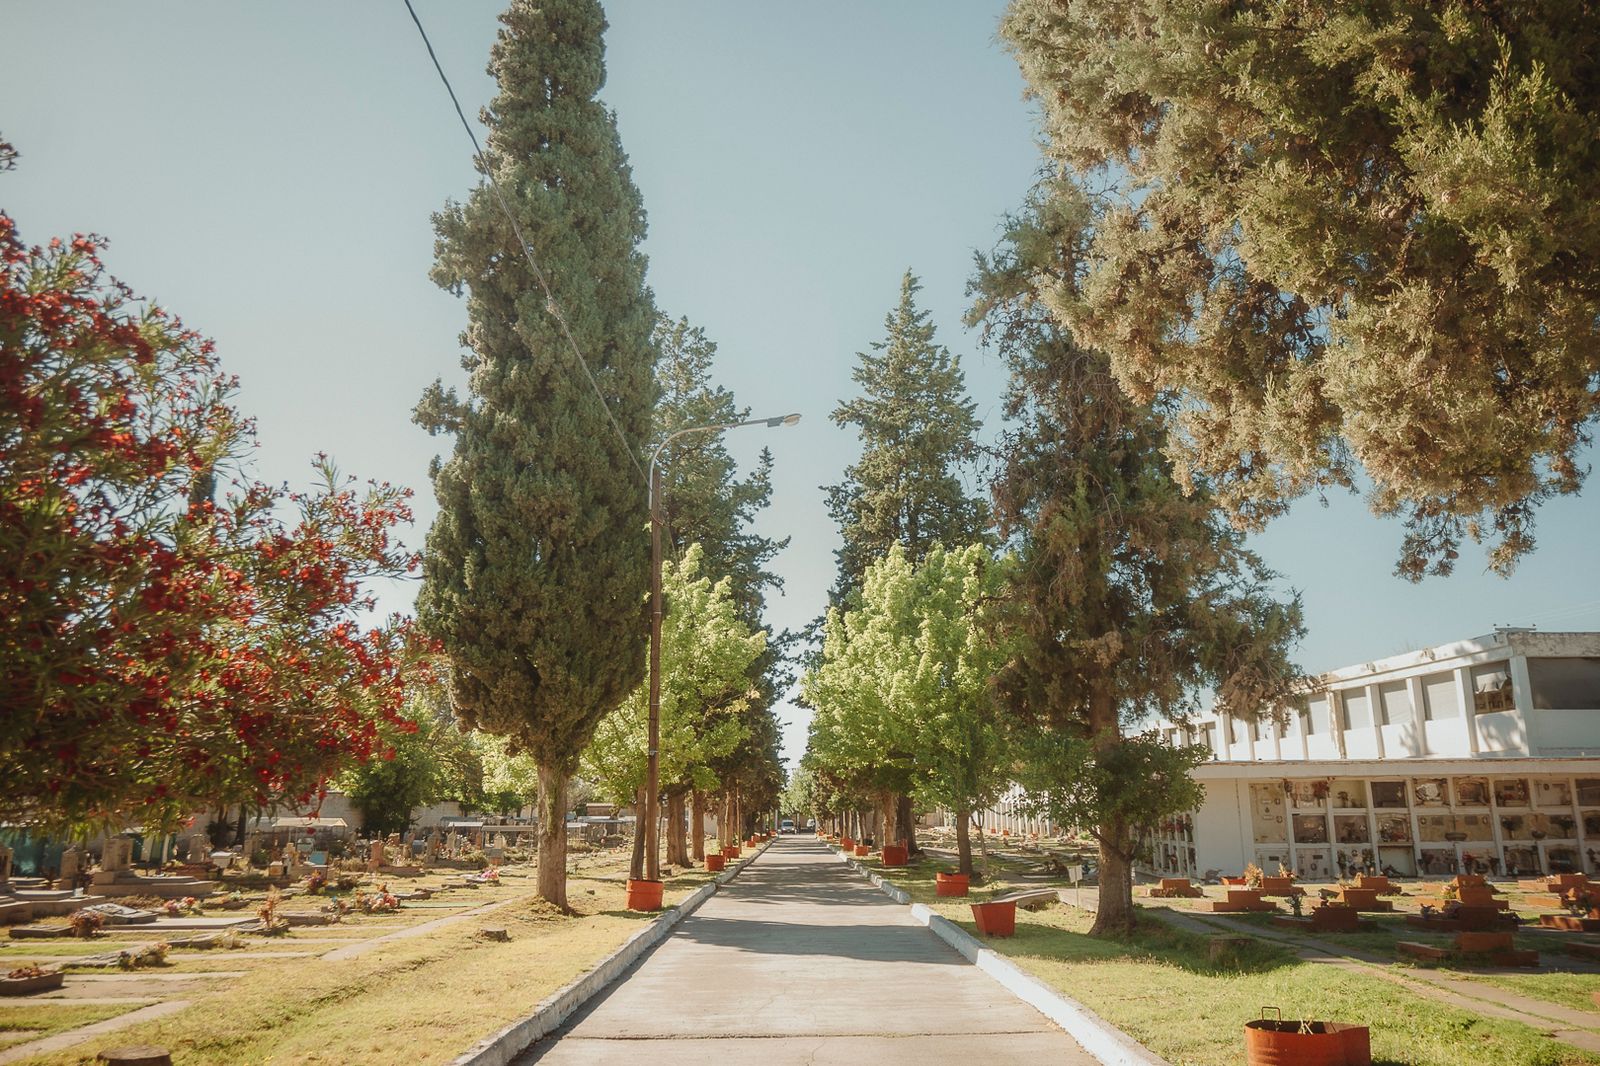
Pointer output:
x,y
799,961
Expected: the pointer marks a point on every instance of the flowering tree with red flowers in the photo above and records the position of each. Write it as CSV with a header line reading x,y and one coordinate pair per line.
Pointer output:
x,y
160,650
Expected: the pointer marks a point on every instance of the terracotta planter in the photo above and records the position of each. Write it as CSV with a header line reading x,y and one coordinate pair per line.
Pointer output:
x,y
862,851
950,884
753,842
896,855
644,895
847,843
995,919
716,862
1276,1042
732,851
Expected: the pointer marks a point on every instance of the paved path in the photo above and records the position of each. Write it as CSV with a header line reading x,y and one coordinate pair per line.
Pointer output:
x,y
800,961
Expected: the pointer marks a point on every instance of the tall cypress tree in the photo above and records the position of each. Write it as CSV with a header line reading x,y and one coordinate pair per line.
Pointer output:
x,y
537,565
917,429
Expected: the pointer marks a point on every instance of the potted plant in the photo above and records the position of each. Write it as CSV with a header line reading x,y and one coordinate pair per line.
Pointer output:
x,y
1268,1041
716,861
950,884
644,895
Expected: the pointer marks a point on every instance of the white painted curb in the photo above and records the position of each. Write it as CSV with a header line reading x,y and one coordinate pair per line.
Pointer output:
x,y
1108,1044
505,1045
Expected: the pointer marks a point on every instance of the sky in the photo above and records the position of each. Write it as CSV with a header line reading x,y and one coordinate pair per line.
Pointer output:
x,y
268,171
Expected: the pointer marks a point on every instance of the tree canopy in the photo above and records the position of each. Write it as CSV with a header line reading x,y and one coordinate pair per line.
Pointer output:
x,y
1337,239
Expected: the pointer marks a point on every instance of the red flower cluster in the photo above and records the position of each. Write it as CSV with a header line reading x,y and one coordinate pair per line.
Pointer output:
x,y
166,645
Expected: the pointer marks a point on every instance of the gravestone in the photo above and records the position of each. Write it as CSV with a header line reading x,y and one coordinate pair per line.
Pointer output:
x,y
375,856
199,849
434,842
71,864
116,857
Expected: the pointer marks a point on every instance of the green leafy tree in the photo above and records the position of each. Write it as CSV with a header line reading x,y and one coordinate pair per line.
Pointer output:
x,y
411,774
799,800
1339,238
706,653
1131,596
536,567
902,690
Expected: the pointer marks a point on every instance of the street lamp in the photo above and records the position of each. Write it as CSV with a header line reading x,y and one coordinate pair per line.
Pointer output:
x,y
652,842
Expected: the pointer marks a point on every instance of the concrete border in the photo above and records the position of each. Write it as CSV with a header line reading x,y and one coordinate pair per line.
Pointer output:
x,y
1108,1044
500,1048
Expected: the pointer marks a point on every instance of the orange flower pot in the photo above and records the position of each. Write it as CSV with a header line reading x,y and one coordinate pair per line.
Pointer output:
x,y
644,895
862,851
1291,1042
732,851
716,862
950,884
995,919
846,843
896,855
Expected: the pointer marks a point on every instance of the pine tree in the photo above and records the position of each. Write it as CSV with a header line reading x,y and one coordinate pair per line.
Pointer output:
x,y
537,565
704,500
917,430
1131,596
1342,239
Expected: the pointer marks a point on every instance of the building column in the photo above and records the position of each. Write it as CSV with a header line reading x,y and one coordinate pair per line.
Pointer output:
x,y
1469,707
1522,693
1375,710
1419,722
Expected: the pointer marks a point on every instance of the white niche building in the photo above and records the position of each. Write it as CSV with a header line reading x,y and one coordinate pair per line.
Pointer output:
x,y
1478,756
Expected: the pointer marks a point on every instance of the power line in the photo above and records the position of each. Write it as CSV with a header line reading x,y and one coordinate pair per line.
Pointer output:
x,y
549,297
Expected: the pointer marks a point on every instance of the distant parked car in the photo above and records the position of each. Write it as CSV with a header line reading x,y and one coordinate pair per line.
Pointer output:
x,y
786,826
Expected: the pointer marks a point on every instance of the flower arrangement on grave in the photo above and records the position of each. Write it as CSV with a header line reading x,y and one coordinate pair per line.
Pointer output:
x,y
149,955
1448,893
1252,875
316,881
272,922
1296,904
1284,871
23,973
337,906
176,908
86,924
491,876
379,902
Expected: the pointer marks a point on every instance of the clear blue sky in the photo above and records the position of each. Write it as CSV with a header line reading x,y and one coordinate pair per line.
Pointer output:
x,y
267,171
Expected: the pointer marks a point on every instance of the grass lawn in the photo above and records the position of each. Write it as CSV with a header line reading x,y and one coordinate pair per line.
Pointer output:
x,y
416,1000
1159,988
1575,990
19,1024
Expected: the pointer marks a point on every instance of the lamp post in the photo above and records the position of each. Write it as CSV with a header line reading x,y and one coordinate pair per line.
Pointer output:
x,y
652,788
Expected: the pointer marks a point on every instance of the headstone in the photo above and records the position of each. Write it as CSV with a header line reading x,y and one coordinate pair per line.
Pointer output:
x,y
71,863
375,856
252,844
117,855
199,848
434,841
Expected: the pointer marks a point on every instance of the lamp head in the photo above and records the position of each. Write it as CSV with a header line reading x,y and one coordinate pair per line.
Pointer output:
x,y
783,420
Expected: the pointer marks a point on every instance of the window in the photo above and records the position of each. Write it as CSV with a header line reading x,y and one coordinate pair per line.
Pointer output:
x,y
1439,697
1394,703
1357,708
1565,684
1491,689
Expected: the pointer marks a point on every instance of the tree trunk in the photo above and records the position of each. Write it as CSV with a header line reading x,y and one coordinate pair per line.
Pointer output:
x,y
891,828
725,819
239,833
636,862
677,833
908,825
1115,915
964,841
552,868
697,824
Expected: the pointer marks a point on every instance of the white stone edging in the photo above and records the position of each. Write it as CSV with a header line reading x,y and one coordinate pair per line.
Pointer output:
x,y
1108,1044
500,1048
